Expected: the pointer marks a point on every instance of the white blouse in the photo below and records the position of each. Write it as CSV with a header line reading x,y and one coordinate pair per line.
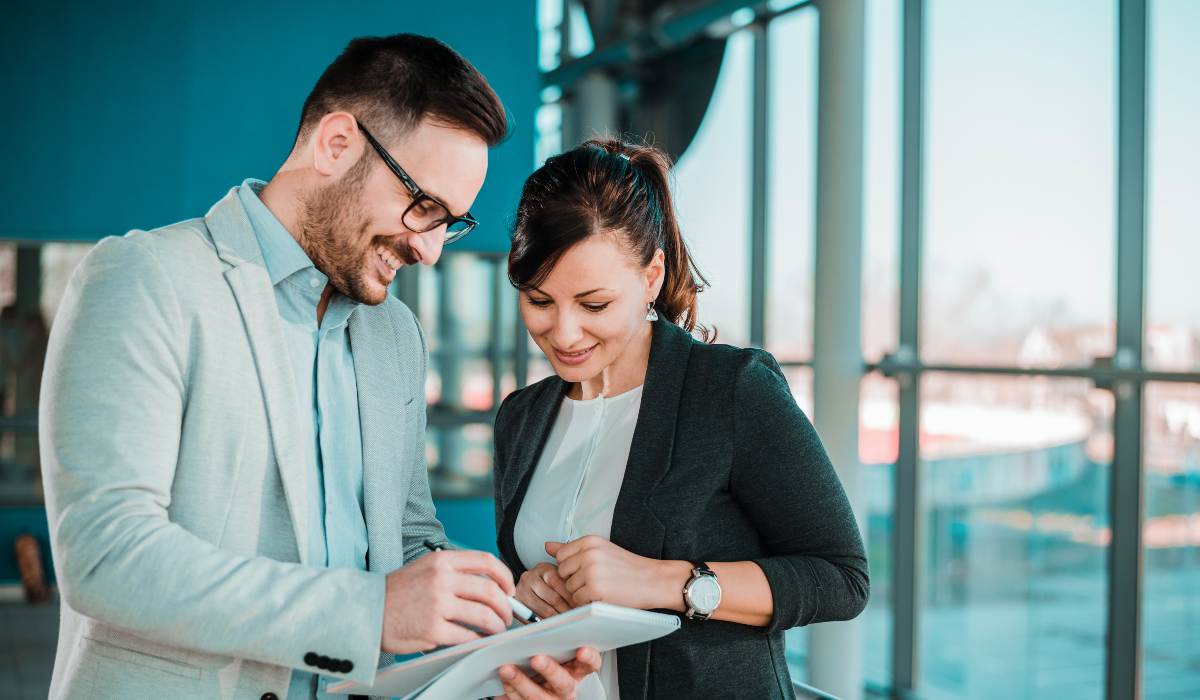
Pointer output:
x,y
574,489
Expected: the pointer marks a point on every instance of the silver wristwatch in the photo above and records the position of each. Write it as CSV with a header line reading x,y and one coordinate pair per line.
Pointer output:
x,y
702,593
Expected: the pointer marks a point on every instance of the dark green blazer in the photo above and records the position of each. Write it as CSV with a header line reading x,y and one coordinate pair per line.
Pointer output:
x,y
723,467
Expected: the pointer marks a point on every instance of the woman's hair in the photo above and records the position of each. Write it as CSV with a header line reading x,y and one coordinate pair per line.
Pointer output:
x,y
612,186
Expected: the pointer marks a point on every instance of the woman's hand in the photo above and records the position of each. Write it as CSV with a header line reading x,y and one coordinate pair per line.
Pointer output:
x,y
541,589
595,569
554,681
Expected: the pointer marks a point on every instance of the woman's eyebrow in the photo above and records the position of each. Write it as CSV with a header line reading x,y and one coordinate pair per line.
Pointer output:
x,y
592,291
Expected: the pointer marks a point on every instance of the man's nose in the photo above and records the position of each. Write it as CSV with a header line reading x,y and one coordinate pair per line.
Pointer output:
x,y
427,247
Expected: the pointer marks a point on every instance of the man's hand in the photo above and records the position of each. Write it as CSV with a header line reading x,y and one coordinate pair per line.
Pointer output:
x,y
557,681
543,591
428,601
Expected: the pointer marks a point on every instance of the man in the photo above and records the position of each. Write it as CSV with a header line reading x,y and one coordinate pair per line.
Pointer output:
x,y
233,414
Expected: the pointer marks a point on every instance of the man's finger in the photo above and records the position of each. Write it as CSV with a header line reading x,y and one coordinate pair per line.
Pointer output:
x,y
481,590
477,615
448,634
471,562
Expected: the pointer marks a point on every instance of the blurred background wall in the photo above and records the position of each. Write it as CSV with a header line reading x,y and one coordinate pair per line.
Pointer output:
x,y
967,229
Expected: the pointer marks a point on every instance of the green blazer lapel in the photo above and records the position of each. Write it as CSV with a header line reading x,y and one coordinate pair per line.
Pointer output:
x,y
386,408
247,277
635,527
528,440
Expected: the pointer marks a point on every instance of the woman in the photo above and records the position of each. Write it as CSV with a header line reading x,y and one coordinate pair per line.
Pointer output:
x,y
656,471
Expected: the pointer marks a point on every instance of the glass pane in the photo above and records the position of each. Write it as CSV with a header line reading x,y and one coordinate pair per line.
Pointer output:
x,y
881,184
1173,205
800,380
878,442
1018,254
33,278
712,184
1014,481
1171,535
790,196
460,460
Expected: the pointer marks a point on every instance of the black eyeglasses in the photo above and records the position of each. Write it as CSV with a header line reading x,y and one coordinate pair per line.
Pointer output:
x,y
425,213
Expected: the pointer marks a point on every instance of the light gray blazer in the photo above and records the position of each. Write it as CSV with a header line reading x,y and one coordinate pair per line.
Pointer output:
x,y
175,479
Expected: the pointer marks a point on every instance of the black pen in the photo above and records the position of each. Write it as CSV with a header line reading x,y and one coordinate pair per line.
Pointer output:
x,y
522,613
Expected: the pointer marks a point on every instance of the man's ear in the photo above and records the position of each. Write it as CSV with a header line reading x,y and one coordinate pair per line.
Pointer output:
x,y
337,144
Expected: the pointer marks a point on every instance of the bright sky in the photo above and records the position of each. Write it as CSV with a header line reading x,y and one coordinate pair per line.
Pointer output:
x,y
1021,183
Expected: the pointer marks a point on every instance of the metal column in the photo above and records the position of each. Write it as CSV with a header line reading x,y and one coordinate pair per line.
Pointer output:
x,y
836,651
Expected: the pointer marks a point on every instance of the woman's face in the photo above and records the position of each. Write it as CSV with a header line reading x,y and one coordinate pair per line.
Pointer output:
x,y
590,306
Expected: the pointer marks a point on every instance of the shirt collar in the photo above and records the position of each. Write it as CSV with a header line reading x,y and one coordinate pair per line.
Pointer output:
x,y
282,255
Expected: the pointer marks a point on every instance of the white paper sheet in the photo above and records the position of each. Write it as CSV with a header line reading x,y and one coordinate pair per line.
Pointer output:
x,y
469,670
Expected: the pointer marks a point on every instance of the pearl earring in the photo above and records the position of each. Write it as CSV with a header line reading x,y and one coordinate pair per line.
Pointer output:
x,y
651,314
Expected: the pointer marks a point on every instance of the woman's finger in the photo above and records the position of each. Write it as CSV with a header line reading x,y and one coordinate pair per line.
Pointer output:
x,y
550,596
557,679
552,579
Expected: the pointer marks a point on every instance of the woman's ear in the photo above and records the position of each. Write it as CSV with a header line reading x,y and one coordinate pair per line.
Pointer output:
x,y
656,274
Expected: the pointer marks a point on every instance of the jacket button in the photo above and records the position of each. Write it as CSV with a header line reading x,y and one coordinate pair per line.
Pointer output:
x,y
269,696
311,659
347,666
323,662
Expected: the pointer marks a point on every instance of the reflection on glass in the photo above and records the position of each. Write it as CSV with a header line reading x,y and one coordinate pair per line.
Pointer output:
x,y
1171,537
1019,212
790,190
1173,204
713,195
1014,477
467,328
878,442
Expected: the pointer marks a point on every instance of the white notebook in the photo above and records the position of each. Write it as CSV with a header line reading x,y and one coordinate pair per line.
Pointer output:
x,y
469,670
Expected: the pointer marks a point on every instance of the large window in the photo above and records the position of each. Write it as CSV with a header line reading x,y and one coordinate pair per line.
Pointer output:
x,y
712,181
1019,205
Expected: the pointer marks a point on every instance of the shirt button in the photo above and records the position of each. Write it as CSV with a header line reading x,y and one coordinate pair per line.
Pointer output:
x,y
314,282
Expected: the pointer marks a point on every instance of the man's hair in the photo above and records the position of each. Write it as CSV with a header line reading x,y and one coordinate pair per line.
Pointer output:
x,y
391,83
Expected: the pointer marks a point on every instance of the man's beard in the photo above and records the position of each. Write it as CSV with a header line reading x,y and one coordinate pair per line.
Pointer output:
x,y
333,234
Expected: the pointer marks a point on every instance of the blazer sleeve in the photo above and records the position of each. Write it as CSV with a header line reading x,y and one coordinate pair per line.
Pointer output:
x,y
782,477
113,399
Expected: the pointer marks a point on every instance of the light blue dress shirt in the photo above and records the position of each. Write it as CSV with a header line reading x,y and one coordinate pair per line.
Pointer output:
x,y
323,367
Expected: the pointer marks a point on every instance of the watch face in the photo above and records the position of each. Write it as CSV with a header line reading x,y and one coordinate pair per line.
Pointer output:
x,y
705,594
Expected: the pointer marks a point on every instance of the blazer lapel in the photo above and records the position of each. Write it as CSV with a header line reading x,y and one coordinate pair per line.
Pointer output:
x,y
237,245
528,442
635,527
386,406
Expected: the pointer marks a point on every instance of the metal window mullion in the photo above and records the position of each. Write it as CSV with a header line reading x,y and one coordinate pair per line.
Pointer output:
x,y
758,186
906,532
1123,674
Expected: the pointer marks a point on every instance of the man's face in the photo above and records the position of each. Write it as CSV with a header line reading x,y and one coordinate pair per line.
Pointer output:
x,y
352,228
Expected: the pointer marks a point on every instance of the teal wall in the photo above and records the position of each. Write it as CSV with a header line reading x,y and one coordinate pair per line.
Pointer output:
x,y
135,114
